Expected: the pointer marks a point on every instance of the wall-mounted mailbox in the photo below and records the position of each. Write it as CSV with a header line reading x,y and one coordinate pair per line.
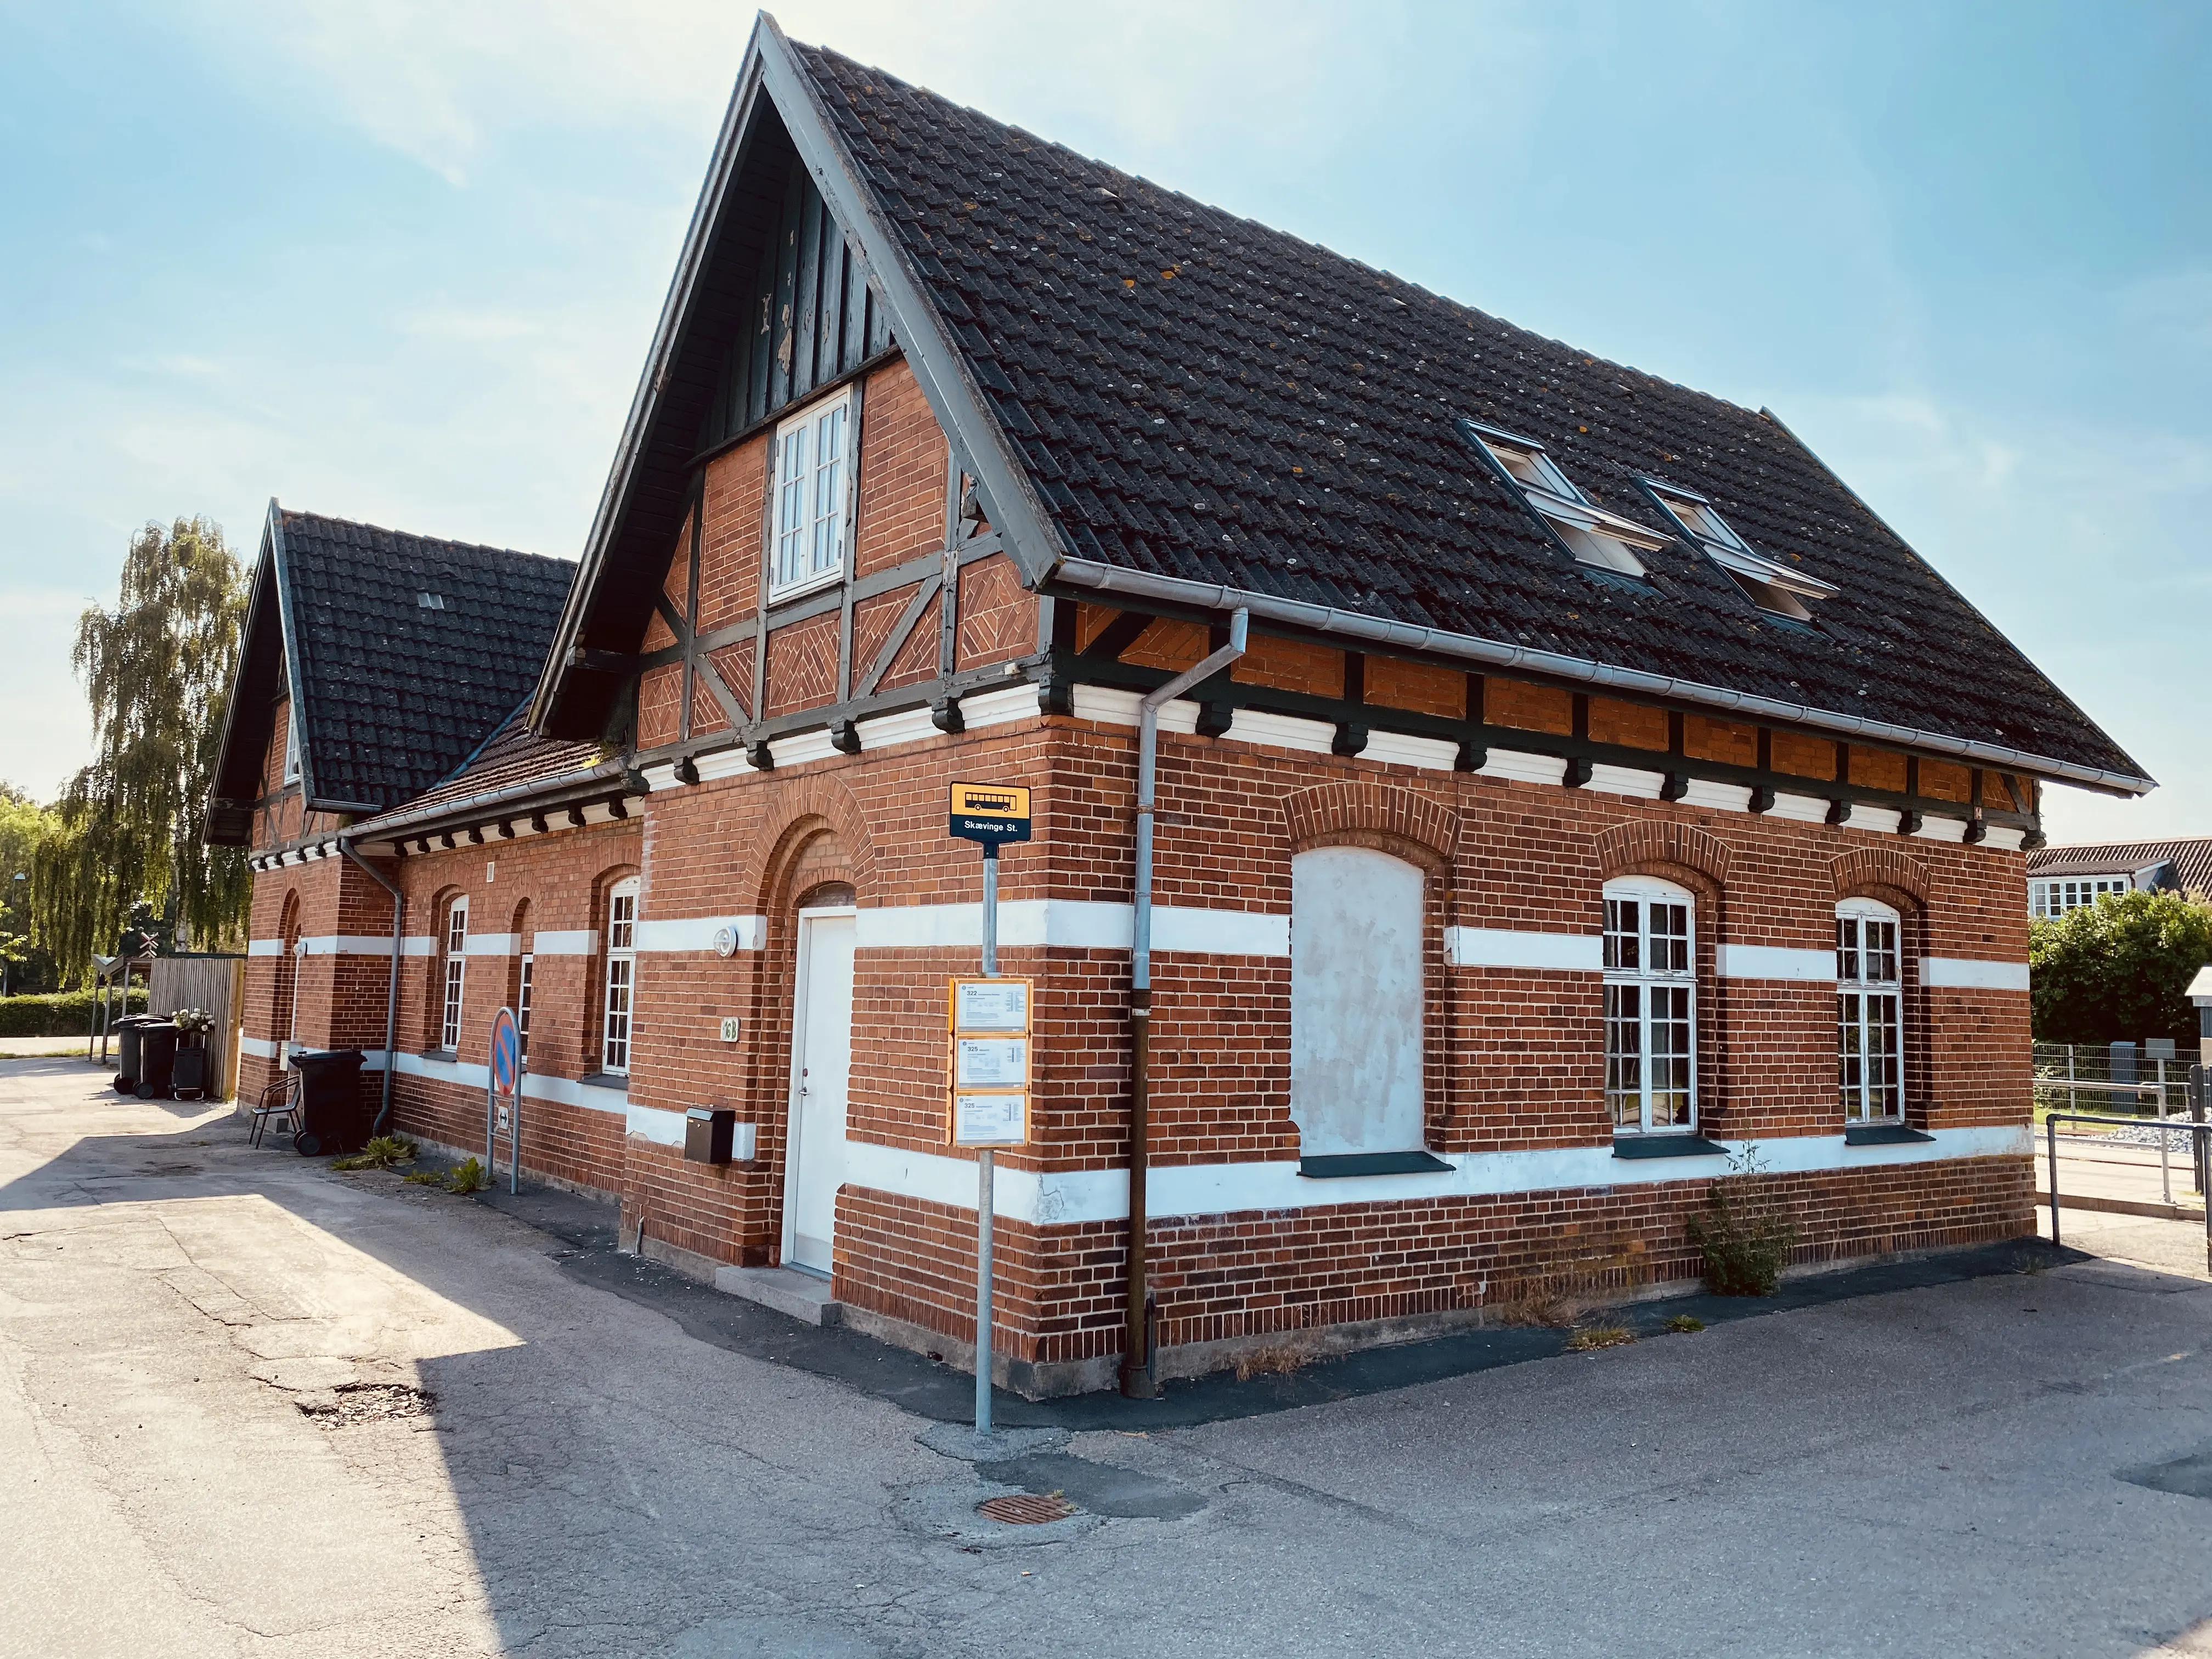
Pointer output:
x,y
707,1134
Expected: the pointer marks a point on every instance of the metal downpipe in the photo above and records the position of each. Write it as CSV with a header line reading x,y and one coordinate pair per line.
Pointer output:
x,y
1136,1379
392,990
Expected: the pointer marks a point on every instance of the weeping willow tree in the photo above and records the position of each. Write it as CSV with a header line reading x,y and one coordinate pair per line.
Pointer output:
x,y
126,831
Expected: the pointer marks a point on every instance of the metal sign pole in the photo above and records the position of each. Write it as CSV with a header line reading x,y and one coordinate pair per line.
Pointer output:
x,y
984,1172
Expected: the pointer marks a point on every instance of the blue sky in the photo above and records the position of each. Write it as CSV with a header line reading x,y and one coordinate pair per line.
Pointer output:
x,y
401,262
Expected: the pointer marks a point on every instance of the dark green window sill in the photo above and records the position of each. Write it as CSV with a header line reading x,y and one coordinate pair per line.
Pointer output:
x,y
605,1080
1666,1146
1881,1135
1337,1165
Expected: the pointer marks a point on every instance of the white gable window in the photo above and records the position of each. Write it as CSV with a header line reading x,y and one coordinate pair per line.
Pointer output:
x,y
1597,538
813,496
622,976
1651,1006
1870,1001
2057,895
1769,584
291,746
1355,1003
454,970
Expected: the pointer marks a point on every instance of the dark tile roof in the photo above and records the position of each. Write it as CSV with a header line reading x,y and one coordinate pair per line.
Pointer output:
x,y
512,759
394,694
1197,396
2191,861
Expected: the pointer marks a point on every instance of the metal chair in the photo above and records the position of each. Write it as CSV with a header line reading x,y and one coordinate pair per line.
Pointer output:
x,y
281,1098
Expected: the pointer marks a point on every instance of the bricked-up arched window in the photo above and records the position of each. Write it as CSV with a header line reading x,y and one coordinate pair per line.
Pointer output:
x,y
1651,1006
452,969
287,1010
622,975
1357,1002
1869,1011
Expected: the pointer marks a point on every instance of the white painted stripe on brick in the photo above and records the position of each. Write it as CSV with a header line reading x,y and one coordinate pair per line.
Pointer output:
x,y
564,942
1282,731
1775,962
494,945
663,1129
889,731
1880,819
561,1091
259,1048
264,947
1627,781
1803,809
723,763
348,944
1396,749
1068,1197
674,934
1951,830
805,747
1015,703
1504,947
1526,768
1079,924
2003,835
1726,797
1112,707
1972,974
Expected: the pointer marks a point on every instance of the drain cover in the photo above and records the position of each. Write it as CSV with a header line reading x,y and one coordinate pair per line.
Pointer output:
x,y
1026,1508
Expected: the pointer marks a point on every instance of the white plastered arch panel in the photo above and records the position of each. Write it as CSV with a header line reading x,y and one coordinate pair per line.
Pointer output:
x,y
1359,1001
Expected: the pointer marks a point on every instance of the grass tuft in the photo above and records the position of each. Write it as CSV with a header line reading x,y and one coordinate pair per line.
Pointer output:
x,y
1590,1337
1683,1324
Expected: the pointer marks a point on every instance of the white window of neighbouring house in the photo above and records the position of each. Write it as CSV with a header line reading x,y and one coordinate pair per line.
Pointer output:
x,y
1356,1002
2055,896
524,975
813,495
1870,1006
1651,1006
622,975
455,968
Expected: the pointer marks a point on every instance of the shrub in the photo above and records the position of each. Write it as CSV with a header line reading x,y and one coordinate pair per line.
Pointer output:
x,y
58,1013
466,1176
1744,1235
2119,968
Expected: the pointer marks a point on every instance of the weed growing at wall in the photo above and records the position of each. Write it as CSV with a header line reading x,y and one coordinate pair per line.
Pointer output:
x,y
1744,1235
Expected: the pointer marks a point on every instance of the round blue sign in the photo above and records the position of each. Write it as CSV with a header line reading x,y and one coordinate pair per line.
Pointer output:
x,y
505,1051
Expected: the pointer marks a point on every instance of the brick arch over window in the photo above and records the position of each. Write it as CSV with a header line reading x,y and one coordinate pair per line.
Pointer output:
x,y
1343,812
801,812
1858,872
1659,849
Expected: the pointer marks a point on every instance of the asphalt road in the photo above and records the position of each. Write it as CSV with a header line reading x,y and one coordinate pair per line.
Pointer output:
x,y
248,1406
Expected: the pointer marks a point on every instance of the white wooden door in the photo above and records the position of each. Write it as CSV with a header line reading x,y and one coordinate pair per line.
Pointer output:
x,y
821,1062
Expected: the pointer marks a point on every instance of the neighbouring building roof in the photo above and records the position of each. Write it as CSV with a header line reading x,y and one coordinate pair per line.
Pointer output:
x,y
2191,861
513,763
403,654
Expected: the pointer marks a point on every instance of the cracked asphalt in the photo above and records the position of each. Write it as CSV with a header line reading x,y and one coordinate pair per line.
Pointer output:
x,y
250,1406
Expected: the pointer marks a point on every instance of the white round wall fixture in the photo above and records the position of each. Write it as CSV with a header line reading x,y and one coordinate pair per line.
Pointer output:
x,y
726,941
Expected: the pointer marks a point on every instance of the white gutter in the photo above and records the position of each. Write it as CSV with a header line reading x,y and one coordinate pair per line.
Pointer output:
x,y
1491,654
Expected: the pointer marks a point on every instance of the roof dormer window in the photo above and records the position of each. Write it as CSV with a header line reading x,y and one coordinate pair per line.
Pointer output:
x,y
1773,587
1602,540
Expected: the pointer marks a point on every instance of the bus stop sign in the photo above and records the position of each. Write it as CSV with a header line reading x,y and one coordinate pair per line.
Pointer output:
x,y
990,813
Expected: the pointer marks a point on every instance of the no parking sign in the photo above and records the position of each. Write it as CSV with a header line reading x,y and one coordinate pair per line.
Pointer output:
x,y
502,1095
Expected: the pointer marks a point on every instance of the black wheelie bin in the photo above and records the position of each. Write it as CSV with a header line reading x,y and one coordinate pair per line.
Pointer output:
x,y
334,1117
125,1032
157,1057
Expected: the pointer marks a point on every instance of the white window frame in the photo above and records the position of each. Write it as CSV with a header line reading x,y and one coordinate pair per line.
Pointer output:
x,y
1603,540
618,1005
453,971
2056,895
1650,981
291,742
525,972
1869,1012
810,539
1773,587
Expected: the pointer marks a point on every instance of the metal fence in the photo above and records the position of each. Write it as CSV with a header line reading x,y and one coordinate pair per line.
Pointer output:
x,y
2133,1098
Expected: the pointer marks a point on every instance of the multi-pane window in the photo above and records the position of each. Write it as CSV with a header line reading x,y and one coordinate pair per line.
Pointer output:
x,y
1651,1006
1768,583
2055,896
813,490
1593,535
454,968
622,975
1870,1003
523,977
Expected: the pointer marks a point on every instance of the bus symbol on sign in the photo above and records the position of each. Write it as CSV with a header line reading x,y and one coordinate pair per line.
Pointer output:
x,y
991,814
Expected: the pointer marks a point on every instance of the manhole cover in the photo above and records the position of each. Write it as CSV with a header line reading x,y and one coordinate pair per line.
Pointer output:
x,y
366,1402
1026,1508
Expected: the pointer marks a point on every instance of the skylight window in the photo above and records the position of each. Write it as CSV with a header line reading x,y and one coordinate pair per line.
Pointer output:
x,y
1603,540
1771,585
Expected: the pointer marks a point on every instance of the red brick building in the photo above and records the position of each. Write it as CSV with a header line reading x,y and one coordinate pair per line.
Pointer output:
x,y
1600,786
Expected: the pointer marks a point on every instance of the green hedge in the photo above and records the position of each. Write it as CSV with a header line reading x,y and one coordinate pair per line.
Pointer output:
x,y
58,1013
